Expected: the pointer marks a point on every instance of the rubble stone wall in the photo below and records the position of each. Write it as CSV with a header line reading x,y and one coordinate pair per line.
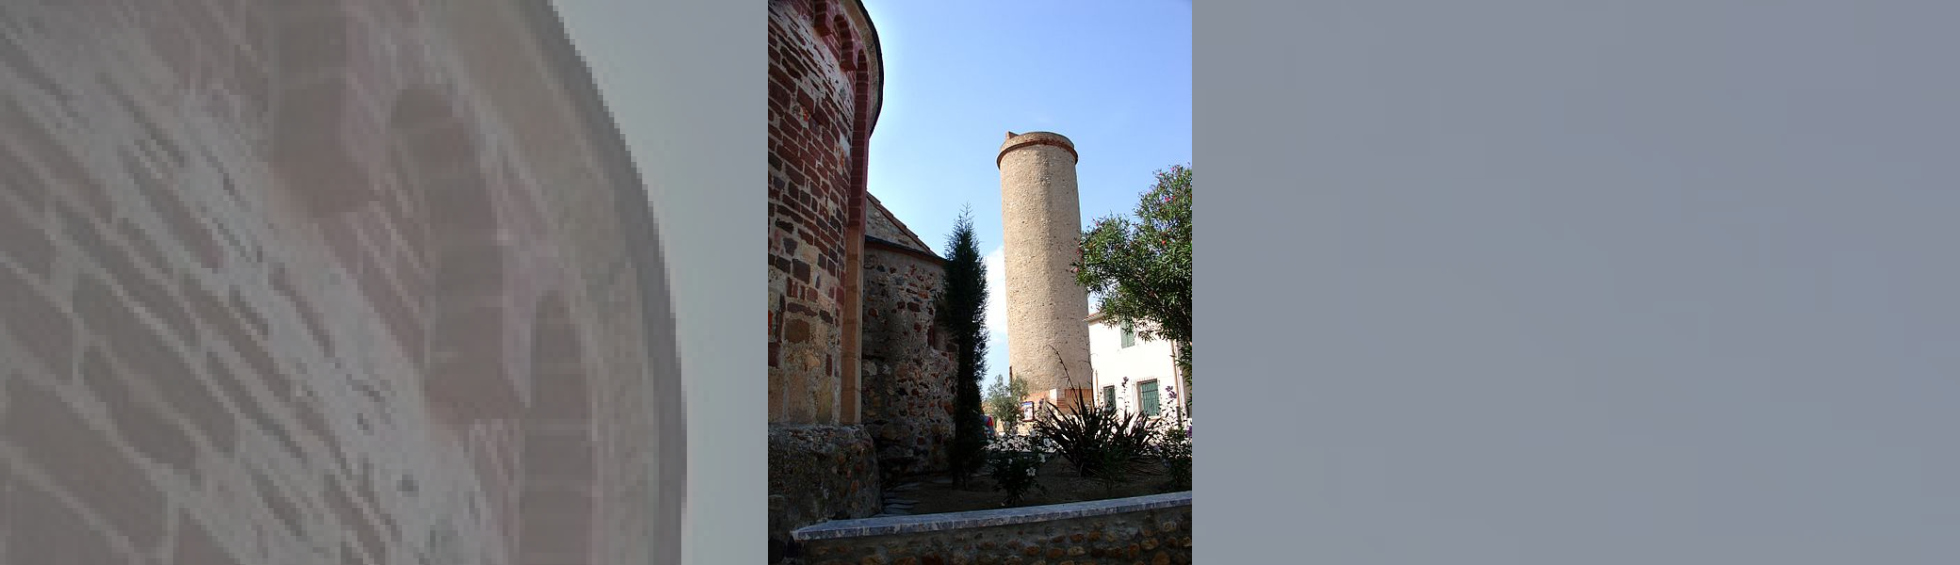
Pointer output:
x,y
1150,529
908,368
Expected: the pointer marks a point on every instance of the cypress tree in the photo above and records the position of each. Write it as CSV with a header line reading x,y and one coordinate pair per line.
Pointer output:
x,y
963,313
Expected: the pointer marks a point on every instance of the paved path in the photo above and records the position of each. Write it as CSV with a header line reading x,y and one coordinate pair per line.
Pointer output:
x,y
894,505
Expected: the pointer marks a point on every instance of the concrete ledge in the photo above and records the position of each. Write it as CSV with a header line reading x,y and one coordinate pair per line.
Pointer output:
x,y
891,525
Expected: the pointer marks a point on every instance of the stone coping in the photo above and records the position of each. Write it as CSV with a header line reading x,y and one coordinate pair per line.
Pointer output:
x,y
1019,140
922,523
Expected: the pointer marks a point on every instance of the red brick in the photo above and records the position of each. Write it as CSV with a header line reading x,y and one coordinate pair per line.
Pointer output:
x,y
35,320
194,544
42,529
23,236
141,420
83,461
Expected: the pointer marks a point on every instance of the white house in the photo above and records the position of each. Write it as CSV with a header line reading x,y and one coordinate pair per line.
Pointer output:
x,y
1134,374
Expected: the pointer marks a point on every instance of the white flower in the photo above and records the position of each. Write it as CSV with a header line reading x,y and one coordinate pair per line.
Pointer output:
x,y
1030,471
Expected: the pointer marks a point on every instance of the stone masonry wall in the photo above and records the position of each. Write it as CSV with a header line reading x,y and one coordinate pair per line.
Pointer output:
x,y
1159,536
322,282
908,372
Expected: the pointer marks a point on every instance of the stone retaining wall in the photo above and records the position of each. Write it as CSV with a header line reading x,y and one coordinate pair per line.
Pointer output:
x,y
1152,529
818,473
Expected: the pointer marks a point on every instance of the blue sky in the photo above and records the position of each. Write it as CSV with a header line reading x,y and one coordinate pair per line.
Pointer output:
x,y
1115,77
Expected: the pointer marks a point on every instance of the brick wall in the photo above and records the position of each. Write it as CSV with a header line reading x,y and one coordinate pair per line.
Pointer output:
x,y
1153,529
813,190
321,282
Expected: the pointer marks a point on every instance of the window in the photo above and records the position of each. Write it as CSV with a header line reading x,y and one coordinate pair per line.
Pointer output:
x,y
1147,397
1109,397
1129,335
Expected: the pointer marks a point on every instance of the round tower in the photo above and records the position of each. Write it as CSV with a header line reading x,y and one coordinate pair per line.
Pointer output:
x,y
1047,337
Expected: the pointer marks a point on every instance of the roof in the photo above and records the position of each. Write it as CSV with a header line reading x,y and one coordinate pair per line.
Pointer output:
x,y
1101,318
880,224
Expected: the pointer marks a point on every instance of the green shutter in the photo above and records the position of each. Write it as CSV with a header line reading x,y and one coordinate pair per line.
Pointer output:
x,y
1129,336
1147,396
1109,397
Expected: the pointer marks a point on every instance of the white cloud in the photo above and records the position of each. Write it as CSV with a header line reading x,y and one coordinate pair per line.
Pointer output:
x,y
996,262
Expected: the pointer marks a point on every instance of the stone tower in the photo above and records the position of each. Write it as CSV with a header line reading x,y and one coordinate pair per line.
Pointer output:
x,y
1048,341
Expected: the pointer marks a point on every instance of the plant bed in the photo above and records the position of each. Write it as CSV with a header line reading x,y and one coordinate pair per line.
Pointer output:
x,y
1060,483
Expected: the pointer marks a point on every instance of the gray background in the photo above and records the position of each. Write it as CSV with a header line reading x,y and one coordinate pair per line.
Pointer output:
x,y
685,82
1579,282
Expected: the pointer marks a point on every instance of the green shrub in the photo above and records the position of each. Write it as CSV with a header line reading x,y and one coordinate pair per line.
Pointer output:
x,y
1004,403
1174,449
1101,442
1016,465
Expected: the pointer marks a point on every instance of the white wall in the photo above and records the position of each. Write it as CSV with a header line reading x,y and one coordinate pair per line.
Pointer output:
x,y
1146,360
